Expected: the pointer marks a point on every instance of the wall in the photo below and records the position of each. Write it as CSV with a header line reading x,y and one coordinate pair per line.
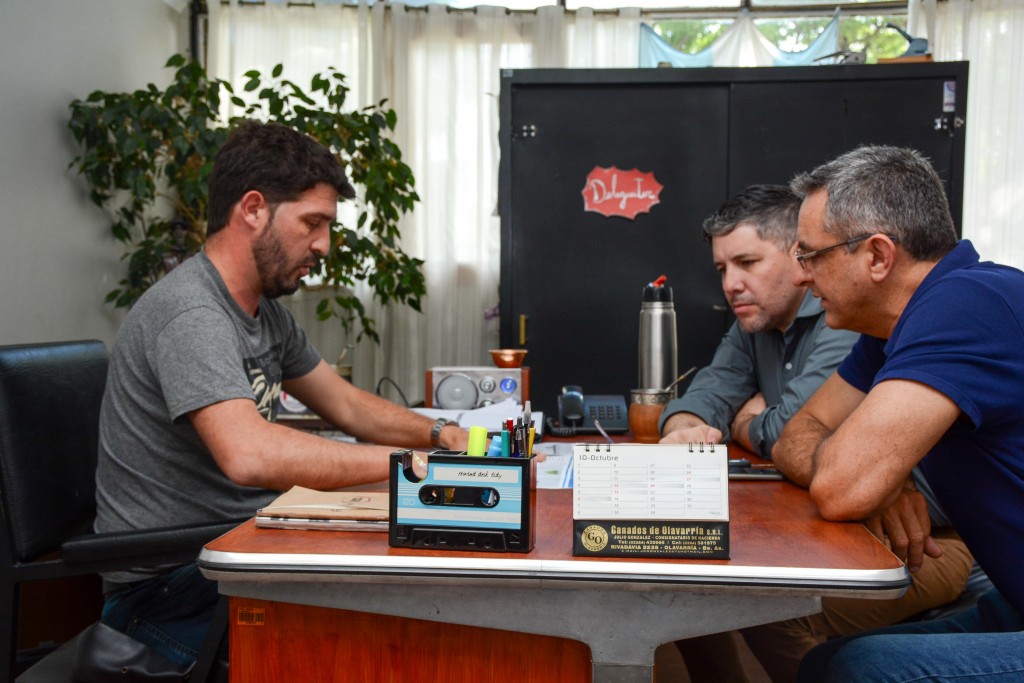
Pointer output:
x,y
57,258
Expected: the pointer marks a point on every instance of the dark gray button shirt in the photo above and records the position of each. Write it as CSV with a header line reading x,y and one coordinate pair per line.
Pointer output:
x,y
786,367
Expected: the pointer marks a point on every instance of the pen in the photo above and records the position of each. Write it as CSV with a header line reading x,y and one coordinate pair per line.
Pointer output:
x,y
527,414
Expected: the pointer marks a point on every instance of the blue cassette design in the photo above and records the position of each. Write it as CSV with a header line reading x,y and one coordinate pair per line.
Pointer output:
x,y
464,503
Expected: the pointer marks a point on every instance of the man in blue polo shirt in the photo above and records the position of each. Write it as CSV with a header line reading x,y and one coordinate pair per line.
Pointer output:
x,y
768,364
936,381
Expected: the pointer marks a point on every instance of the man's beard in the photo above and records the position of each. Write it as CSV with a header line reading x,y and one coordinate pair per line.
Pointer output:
x,y
276,278
759,323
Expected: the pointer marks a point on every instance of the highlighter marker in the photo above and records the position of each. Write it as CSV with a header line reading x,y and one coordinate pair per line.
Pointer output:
x,y
477,441
495,450
505,445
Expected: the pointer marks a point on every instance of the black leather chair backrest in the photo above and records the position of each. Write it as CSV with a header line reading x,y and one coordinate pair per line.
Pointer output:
x,y
50,397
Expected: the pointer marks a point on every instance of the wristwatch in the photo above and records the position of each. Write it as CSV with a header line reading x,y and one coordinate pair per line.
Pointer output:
x,y
435,431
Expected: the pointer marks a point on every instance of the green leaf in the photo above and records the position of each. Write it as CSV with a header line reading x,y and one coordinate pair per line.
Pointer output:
x,y
144,150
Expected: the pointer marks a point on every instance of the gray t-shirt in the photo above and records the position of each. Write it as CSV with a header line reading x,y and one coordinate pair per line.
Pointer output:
x,y
186,344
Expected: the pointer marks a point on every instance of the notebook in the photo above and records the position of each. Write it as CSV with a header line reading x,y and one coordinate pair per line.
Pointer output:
x,y
302,508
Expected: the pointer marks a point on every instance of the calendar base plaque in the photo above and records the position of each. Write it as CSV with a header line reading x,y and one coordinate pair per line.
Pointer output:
x,y
647,538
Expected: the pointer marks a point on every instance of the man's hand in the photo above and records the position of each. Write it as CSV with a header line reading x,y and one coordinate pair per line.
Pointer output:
x,y
454,438
698,434
754,406
688,428
905,523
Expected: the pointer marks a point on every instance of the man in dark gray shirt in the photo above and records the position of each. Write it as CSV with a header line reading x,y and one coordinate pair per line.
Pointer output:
x,y
778,352
767,366
187,425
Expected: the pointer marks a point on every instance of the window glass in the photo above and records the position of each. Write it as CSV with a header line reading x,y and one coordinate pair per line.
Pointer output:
x,y
652,4
858,35
690,35
768,4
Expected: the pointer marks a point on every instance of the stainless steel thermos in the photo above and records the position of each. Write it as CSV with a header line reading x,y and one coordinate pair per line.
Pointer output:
x,y
658,349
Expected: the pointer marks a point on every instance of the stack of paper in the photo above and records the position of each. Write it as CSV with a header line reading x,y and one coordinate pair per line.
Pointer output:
x,y
491,417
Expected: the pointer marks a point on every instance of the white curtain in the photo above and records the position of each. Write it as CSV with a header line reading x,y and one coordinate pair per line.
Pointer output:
x,y
440,70
990,35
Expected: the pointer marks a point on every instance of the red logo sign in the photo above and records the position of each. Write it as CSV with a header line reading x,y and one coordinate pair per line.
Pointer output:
x,y
611,192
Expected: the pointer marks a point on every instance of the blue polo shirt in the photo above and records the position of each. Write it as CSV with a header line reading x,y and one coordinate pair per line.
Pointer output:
x,y
962,333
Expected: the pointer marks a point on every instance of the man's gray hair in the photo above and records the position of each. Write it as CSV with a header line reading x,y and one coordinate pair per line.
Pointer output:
x,y
889,190
772,209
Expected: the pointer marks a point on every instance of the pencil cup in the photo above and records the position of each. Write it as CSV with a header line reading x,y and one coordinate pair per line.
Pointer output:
x,y
645,407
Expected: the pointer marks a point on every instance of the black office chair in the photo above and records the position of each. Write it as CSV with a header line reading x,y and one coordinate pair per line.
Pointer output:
x,y
50,398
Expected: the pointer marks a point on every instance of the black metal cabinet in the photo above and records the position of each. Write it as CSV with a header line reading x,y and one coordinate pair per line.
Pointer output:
x,y
571,279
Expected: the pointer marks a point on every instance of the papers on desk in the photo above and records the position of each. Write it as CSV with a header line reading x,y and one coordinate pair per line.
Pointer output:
x,y
302,508
555,471
491,417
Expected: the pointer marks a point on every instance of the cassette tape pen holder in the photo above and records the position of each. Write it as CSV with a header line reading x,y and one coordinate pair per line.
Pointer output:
x,y
463,503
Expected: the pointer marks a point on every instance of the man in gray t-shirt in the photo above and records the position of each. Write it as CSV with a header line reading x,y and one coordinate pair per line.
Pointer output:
x,y
187,430
186,345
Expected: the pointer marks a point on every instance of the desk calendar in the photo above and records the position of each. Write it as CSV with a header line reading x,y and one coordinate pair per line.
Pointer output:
x,y
656,500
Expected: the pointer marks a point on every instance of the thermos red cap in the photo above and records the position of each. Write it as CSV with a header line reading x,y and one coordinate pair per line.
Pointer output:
x,y
656,291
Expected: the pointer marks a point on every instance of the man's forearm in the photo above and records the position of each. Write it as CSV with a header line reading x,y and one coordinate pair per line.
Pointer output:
x,y
253,452
741,430
794,452
369,417
747,413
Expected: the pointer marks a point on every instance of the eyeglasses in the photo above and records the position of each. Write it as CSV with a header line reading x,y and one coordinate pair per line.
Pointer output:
x,y
802,259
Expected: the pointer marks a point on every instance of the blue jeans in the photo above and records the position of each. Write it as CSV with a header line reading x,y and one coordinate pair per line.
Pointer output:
x,y
983,644
171,613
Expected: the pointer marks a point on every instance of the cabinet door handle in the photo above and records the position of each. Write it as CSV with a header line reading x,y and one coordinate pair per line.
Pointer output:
x,y
522,329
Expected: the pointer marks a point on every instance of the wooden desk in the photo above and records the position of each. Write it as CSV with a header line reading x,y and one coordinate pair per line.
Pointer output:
x,y
784,558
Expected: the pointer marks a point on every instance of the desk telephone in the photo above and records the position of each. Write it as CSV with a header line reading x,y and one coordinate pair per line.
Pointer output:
x,y
576,413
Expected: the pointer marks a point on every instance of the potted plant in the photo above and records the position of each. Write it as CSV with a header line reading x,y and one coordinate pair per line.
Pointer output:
x,y
147,155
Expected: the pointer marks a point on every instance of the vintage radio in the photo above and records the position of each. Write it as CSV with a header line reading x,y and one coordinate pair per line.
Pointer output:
x,y
466,388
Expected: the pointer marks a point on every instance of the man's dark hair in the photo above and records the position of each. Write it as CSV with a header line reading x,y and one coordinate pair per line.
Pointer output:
x,y
772,209
889,190
275,160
